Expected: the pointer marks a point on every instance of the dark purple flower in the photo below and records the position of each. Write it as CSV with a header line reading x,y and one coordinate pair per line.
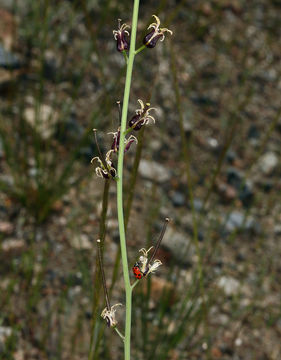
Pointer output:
x,y
157,33
120,36
142,116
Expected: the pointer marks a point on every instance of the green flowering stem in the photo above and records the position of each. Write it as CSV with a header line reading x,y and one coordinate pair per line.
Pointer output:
x,y
127,340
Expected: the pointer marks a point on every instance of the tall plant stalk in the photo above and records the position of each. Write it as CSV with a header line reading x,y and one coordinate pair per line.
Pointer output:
x,y
128,288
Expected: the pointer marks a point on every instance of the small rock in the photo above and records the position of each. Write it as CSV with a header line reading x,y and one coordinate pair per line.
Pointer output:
x,y
229,285
153,171
44,122
246,195
178,199
212,142
231,156
267,185
236,220
238,342
227,192
12,245
253,135
5,332
223,319
216,353
234,177
178,244
6,227
19,355
8,27
198,204
268,162
277,229
81,242
8,61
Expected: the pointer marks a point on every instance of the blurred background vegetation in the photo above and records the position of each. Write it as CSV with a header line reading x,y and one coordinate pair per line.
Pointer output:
x,y
211,163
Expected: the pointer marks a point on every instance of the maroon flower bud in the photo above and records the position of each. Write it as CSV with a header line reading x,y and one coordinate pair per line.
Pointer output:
x,y
129,142
142,116
135,122
150,40
120,36
116,141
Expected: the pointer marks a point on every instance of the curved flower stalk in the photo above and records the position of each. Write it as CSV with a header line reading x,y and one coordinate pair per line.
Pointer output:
x,y
157,33
108,312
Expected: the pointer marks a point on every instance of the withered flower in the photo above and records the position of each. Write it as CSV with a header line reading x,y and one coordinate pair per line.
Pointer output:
x,y
120,36
146,267
155,34
106,169
109,315
142,116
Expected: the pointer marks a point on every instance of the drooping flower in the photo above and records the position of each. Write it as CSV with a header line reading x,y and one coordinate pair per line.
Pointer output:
x,y
109,315
120,36
157,33
142,116
106,169
116,141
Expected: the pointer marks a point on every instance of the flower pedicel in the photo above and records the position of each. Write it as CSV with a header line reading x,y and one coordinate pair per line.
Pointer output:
x,y
108,312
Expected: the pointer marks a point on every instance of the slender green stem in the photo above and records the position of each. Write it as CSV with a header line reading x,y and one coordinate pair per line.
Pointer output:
x,y
119,333
140,49
125,56
134,284
128,289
